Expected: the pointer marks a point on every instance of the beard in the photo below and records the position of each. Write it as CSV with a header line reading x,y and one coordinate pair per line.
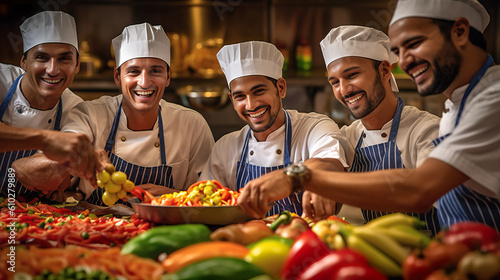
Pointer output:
x,y
273,115
372,101
446,64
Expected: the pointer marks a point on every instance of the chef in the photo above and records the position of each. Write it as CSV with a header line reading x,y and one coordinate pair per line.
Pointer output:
x,y
162,147
386,134
36,95
273,137
441,46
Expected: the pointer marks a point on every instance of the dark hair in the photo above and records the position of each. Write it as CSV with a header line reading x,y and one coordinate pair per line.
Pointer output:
x,y
274,81
475,37
376,64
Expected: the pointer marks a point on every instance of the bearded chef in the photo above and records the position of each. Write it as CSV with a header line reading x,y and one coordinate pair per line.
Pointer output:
x,y
161,146
35,95
386,134
273,138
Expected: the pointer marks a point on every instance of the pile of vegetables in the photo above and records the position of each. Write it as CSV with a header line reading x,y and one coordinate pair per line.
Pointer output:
x,y
48,226
204,193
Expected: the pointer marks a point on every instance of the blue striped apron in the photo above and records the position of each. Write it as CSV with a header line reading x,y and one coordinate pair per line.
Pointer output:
x,y
7,158
387,156
159,175
462,203
246,172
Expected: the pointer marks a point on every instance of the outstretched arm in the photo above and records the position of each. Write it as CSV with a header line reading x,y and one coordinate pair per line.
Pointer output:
x,y
402,190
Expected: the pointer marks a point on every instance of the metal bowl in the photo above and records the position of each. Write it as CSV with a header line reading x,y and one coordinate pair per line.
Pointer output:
x,y
204,97
170,215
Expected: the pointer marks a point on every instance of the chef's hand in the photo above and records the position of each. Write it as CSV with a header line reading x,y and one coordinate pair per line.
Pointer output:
x,y
73,150
317,207
256,194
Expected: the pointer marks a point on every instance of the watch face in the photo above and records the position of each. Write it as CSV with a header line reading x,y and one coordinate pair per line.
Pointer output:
x,y
296,168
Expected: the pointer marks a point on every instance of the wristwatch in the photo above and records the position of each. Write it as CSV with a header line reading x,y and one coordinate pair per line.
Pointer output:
x,y
300,175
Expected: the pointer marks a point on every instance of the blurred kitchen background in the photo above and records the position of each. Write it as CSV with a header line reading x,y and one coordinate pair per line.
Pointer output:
x,y
198,28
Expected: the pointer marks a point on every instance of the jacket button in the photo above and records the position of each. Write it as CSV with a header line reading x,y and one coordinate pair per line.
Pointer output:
x,y
157,144
251,153
384,134
278,152
123,138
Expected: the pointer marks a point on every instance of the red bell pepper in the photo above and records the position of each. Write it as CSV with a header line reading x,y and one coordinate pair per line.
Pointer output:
x,y
143,195
306,250
357,272
330,263
472,234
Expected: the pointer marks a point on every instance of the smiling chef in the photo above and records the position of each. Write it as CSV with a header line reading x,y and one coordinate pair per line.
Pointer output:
x,y
35,95
273,138
162,147
386,134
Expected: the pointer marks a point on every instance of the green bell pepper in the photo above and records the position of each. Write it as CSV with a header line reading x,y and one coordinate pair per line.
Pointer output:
x,y
165,239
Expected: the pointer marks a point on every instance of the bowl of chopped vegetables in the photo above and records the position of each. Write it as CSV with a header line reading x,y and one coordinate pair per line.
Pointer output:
x,y
205,202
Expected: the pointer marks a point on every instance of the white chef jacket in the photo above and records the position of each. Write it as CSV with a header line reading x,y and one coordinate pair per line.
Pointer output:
x,y
473,147
188,139
313,136
19,113
416,131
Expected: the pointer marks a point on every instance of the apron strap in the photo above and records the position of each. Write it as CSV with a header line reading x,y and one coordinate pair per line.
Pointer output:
x,y
396,120
161,136
394,127
475,80
8,97
288,141
110,142
288,138
57,124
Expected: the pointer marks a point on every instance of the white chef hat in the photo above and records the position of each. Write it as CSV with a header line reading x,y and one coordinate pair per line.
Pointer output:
x,y
49,27
472,10
250,58
141,40
360,41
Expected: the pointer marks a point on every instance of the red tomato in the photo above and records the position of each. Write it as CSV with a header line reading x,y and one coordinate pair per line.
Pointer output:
x,y
416,267
328,264
442,255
